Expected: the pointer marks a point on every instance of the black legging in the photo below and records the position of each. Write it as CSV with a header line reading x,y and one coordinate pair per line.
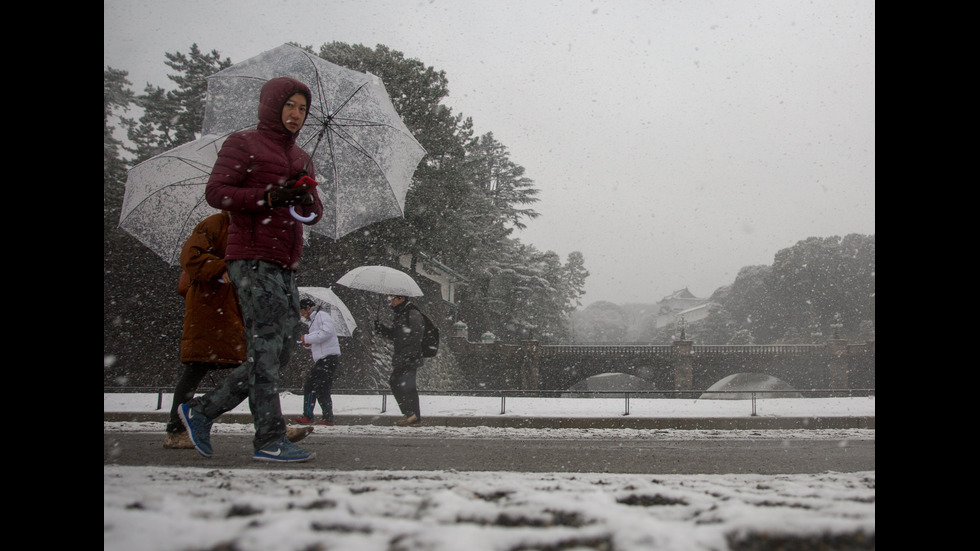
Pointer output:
x,y
317,387
194,373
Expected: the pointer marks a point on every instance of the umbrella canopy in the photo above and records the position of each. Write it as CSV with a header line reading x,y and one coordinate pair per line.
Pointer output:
x,y
381,279
363,154
328,301
164,197
746,384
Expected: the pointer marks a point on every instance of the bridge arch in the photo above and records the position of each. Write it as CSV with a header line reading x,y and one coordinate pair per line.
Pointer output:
x,y
680,366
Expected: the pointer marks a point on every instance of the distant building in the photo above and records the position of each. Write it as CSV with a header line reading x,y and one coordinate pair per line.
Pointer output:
x,y
424,265
681,305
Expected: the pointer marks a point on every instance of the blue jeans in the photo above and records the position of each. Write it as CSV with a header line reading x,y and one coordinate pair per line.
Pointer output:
x,y
270,310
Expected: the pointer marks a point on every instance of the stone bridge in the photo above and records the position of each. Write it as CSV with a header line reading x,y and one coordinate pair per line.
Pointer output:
x,y
679,366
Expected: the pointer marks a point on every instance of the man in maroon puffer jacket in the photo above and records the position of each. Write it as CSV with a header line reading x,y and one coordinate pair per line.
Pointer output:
x,y
257,179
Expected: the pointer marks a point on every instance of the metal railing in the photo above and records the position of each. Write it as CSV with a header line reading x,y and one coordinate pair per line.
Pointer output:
x,y
576,394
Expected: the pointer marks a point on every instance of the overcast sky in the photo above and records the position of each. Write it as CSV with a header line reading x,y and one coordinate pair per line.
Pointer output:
x,y
674,142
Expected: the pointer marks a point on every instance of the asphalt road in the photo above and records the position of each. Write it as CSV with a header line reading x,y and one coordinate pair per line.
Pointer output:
x,y
417,451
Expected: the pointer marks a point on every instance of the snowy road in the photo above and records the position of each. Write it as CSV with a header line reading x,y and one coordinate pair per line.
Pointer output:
x,y
441,448
175,500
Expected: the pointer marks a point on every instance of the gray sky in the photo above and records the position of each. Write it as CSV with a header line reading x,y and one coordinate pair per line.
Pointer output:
x,y
674,141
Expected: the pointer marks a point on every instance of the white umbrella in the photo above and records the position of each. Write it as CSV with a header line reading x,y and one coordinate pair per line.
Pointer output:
x,y
381,279
325,298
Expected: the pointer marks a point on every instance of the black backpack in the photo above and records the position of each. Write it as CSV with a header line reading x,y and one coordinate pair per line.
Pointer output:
x,y
430,337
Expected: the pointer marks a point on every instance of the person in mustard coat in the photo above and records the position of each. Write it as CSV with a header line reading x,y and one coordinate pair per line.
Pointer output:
x,y
213,335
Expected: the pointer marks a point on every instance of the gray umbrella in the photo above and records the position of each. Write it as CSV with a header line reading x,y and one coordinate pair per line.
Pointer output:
x,y
362,153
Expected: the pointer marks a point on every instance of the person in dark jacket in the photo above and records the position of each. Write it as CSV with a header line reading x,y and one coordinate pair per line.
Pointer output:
x,y
258,177
406,333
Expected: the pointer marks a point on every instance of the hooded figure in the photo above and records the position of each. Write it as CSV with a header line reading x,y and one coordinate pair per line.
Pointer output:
x,y
212,320
257,178
251,165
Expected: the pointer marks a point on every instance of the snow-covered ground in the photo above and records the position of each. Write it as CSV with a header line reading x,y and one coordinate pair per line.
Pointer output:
x,y
483,406
303,507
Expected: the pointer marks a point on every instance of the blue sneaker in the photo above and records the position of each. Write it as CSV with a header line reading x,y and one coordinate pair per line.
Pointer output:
x,y
198,428
283,451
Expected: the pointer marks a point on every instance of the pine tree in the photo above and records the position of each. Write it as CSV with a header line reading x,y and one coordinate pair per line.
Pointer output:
x,y
117,98
171,118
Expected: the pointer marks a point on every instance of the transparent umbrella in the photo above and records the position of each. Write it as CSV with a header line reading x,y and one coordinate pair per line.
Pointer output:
x,y
328,301
164,197
362,153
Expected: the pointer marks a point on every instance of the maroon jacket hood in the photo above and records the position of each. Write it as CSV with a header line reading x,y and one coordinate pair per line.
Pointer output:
x,y
271,100
249,164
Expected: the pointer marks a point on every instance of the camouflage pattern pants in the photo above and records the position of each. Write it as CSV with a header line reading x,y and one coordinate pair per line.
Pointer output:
x,y
270,310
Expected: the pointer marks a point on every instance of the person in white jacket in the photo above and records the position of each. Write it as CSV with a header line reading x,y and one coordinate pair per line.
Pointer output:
x,y
325,347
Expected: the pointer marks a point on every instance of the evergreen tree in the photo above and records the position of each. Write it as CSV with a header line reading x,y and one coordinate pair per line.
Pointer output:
x,y
523,293
823,285
466,200
171,118
154,132
191,72
814,290
117,98
745,301
501,181
573,280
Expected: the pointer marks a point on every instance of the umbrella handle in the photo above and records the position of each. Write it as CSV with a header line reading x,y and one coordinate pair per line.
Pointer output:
x,y
300,217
